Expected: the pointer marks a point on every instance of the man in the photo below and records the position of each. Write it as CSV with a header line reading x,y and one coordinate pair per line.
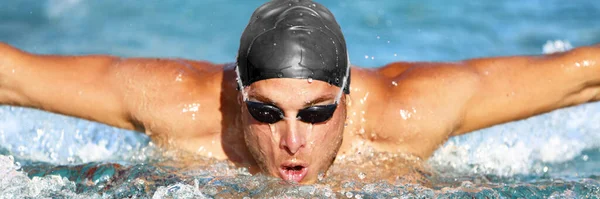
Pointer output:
x,y
292,102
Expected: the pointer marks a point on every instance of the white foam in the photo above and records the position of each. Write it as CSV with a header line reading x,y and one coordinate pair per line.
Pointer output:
x,y
92,152
178,190
559,149
16,184
556,46
40,136
521,147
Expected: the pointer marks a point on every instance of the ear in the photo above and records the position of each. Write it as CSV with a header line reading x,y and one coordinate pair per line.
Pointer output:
x,y
240,98
347,99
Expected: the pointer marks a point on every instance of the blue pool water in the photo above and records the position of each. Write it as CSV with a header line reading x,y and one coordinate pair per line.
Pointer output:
x,y
556,155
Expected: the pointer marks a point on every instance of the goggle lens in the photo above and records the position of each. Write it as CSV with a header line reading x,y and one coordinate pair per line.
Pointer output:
x,y
270,114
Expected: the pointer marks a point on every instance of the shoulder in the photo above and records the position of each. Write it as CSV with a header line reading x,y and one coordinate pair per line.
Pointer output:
x,y
402,76
168,68
411,106
175,95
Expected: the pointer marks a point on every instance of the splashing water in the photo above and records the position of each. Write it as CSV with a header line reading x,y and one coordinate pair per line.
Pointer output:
x,y
223,180
556,46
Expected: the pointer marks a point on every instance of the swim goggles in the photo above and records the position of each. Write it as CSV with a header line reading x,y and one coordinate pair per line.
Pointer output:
x,y
267,113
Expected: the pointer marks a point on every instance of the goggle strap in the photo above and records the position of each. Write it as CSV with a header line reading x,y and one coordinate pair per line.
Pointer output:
x,y
344,82
240,85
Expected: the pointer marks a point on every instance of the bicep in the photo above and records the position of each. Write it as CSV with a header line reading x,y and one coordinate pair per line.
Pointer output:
x,y
80,86
513,88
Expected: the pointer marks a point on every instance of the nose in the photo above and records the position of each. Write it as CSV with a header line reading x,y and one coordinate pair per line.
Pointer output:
x,y
292,140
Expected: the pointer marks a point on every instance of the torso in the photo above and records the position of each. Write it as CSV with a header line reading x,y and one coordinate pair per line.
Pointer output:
x,y
198,110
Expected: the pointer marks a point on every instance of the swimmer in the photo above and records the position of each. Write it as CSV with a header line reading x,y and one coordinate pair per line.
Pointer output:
x,y
292,102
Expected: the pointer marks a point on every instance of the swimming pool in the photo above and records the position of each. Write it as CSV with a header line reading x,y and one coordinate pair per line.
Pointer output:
x,y
553,155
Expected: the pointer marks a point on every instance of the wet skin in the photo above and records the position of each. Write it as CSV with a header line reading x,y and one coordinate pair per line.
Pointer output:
x,y
402,107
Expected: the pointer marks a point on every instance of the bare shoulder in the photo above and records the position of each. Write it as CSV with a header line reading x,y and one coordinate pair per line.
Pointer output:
x,y
411,107
176,98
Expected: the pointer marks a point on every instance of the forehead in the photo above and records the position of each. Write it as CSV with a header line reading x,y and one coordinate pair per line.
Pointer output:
x,y
289,89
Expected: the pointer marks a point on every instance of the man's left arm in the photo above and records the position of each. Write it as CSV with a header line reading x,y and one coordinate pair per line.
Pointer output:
x,y
513,88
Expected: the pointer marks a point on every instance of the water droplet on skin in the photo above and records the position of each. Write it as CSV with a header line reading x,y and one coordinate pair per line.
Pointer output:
x,y
362,175
394,83
310,80
273,130
405,114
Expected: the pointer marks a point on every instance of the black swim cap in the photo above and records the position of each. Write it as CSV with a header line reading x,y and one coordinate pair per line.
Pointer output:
x,y
293,39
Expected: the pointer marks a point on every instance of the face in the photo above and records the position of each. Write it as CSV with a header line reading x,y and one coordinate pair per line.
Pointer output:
x,y
290,148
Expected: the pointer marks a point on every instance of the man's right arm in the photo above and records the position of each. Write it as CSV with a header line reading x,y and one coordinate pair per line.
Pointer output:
x,y
80,86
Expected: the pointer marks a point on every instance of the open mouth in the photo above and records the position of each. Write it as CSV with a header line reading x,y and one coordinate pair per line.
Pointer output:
x,y
293,172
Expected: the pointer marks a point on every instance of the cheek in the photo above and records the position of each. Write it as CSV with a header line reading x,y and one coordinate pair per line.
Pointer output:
x,y
328,136
258,135
253,131
259,138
